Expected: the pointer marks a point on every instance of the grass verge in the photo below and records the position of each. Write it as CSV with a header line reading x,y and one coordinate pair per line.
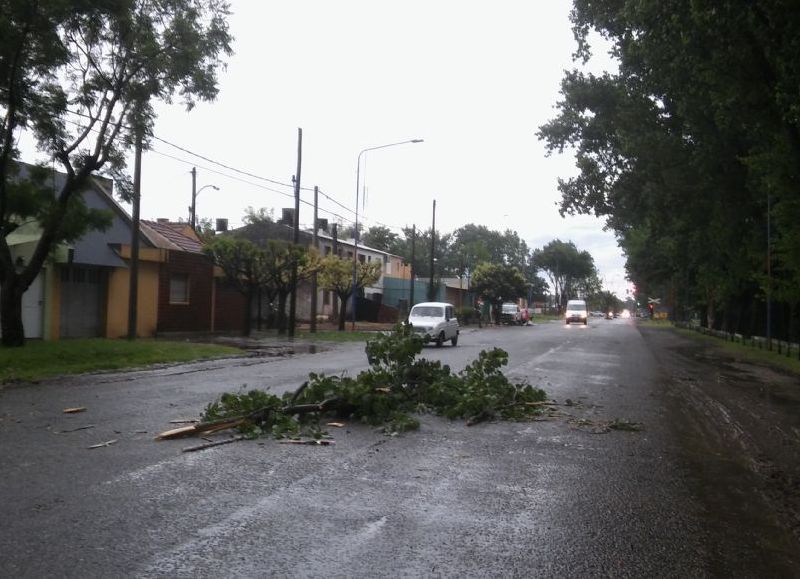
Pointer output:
x,y
747,353
37,360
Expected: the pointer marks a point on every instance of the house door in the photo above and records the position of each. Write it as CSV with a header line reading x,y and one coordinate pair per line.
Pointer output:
x,y
82,301
32,307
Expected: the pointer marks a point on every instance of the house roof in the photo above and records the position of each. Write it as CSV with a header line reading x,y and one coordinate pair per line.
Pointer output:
x,y
456,283
176,236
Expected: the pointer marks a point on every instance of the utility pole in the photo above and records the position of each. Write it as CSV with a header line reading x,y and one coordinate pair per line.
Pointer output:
x,y
194,197
133,291
769,273
413,244
431,294
313,327
335,298
296,238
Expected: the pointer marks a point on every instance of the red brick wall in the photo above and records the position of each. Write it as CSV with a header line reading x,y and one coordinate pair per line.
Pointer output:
x,y
229,309
194,316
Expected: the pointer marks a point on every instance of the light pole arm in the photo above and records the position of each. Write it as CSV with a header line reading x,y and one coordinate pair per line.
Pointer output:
x,y
194,200
355,230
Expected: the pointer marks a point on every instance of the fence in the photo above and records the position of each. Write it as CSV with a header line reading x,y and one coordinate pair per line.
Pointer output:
x,y
783,347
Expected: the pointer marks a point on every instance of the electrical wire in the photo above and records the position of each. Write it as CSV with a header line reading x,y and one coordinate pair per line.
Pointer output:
x,y
329,212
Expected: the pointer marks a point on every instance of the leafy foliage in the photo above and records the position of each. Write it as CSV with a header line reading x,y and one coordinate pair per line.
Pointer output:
x,y
336,275
571,272
498,282
80,78
396,385
249,267
691,151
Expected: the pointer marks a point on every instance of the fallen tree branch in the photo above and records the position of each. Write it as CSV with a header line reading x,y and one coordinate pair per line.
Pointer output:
x,y
214,443
212,426
324,406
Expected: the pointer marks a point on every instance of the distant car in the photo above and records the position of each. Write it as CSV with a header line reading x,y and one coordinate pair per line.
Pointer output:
x,y
510,314
435,322
596,314
609,315
576,312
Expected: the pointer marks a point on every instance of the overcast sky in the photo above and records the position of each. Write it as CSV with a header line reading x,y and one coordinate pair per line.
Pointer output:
x,y
473,79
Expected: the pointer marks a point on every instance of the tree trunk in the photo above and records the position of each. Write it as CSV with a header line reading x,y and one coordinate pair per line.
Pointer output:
x,y
247,317
282,312
11,313
710,314
342,312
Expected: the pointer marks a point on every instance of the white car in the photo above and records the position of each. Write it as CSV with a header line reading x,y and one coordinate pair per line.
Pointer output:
x,y
434,322
576,312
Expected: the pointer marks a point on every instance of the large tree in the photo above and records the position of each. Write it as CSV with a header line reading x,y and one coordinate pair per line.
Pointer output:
x,y
380,237
692,148
80,76
571,272
498,283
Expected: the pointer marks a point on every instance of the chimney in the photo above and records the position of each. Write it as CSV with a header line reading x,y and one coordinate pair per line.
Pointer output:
x,y
287,216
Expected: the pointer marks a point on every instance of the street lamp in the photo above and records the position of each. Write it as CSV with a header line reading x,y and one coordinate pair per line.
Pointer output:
x,y
194,200
355,229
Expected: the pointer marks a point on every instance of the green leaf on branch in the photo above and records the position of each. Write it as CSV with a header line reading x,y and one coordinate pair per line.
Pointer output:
x,y
396,385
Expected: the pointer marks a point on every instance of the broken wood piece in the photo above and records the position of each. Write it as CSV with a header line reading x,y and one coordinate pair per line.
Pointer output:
x,y
75,429
75,410
176,432
184,421
543,403
308,442
102,444
202,428
214,443
336,424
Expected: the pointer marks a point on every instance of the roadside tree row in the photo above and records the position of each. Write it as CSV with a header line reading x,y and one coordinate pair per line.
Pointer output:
x,y
691,152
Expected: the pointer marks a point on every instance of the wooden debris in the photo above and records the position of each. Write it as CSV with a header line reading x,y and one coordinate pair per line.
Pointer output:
x,y
184,421
309,442
336,424
202,428
103,444
213,443
75,410
75,429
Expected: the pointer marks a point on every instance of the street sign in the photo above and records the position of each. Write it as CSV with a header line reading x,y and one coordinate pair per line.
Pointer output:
x,y
654,300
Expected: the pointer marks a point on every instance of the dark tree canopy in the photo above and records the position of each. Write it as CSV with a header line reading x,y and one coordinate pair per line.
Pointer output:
x,y
686,146
79,77
571,272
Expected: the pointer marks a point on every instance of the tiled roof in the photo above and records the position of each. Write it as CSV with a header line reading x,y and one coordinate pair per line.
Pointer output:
x,y
174,236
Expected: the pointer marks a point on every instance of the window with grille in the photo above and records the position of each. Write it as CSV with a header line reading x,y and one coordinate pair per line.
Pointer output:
x,y
179,288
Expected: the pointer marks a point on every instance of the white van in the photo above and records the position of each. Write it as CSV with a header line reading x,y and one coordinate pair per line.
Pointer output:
x,y
434,322
576,312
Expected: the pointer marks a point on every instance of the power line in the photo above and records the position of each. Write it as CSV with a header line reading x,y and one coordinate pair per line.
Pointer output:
x,y
242,172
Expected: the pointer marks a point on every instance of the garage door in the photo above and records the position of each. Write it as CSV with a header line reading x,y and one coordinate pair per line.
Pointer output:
x,y
83,291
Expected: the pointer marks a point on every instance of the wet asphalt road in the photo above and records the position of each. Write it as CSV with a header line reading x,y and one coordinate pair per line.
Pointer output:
x,y
561,497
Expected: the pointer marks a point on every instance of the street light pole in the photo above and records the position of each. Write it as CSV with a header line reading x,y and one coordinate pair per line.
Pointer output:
x,y
355,229
195,193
